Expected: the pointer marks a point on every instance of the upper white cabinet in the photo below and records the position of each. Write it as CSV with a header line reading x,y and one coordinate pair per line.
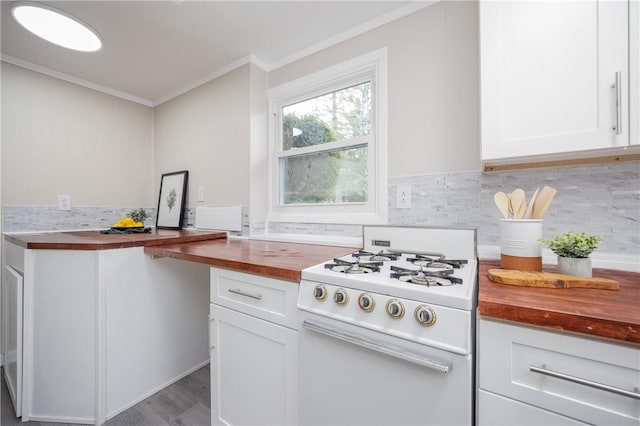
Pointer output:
x,y
554,77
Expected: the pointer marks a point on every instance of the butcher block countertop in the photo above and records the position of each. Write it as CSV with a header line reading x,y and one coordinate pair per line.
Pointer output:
x,y
603,313
94,240
273,259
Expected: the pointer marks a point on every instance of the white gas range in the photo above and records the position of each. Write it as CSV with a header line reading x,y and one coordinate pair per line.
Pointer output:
x,y
387,334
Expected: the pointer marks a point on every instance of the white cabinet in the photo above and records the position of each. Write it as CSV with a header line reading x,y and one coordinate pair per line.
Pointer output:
x,y
530,375
103,329
554,77
497,410
254,349
12,335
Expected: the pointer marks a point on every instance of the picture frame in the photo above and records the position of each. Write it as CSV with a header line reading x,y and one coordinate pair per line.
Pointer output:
x,y
171,200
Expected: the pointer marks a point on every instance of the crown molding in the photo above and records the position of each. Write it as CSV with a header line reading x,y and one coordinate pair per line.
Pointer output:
x,y
74,80
352,32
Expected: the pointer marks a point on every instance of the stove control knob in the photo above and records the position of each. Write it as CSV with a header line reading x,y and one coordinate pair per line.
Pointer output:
x,y
425,315
366,302
320,292
395,308
340,296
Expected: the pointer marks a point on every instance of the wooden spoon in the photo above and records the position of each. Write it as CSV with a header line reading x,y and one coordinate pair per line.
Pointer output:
x,y
509,203
529,211
502,201
543,201
518,203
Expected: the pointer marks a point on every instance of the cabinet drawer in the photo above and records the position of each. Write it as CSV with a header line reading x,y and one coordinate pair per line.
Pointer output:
x,y
266,298
572,374
496,410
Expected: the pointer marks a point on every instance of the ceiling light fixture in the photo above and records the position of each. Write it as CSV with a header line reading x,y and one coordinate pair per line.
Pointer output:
x,y
56,27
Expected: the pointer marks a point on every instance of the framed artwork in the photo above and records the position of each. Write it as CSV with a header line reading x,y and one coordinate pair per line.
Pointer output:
x,y
171,202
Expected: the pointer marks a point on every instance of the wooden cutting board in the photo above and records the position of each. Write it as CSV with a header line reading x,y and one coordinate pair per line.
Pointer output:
x,y
548,280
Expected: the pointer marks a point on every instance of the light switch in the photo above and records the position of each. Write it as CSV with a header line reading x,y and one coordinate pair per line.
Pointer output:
x,y
201,193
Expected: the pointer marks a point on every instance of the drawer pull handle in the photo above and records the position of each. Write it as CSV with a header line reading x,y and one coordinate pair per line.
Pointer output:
x,y
544,370
242,293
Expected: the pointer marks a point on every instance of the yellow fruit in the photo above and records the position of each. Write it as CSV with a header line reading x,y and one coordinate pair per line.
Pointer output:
x,y
138,224
126,222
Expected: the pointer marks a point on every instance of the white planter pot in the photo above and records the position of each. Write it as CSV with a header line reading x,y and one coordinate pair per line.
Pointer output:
x,y
576,266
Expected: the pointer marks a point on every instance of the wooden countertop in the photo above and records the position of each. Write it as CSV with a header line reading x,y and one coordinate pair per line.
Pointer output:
x,y
274,259
94,240
603,313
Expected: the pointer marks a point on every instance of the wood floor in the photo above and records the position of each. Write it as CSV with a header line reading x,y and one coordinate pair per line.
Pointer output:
x,y
184,403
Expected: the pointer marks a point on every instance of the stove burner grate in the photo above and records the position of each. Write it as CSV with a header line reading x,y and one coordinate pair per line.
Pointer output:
x,y
380,256
436,261
427,278
356,267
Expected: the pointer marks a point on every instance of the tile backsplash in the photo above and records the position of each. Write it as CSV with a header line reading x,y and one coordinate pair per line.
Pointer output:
x,y
49,218
599,199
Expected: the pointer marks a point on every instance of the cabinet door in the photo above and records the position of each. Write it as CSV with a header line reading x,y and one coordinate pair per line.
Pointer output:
x,y
547,71
12,320
253,370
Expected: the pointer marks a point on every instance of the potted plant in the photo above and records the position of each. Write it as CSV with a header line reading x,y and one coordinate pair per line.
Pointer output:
x,y
138,215
573,250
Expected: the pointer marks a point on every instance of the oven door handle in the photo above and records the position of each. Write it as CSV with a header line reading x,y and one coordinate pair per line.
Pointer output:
x,y
374,345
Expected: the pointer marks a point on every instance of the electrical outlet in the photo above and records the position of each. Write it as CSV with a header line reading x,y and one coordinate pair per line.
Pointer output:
x,y
403,197
64,202
201,193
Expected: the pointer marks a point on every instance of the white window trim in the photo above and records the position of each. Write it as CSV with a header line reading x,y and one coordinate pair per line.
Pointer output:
x,y
375,211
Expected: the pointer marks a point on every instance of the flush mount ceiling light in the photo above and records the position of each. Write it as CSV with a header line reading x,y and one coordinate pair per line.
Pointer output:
x,y
56,27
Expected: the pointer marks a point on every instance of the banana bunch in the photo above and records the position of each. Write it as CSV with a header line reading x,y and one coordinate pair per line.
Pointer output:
x,y
127,222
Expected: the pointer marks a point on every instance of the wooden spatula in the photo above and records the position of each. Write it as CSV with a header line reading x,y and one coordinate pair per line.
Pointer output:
x,y
543,201
548,280
529,211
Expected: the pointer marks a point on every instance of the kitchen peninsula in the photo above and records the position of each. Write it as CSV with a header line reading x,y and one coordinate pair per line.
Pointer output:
x,y
134,322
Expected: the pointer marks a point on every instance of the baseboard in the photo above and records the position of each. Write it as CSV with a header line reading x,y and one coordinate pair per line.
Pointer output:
x,y
74,420
155,390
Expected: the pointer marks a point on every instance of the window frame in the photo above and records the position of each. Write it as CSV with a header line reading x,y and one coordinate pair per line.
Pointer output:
x,y
369,67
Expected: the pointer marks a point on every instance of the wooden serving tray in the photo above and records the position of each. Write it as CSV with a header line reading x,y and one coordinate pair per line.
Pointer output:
x,y
548,280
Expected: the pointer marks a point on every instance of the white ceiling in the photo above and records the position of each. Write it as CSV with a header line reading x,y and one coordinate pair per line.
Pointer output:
x,y
155,50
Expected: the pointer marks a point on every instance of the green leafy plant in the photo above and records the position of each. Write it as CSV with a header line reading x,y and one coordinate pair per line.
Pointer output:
x,y
138,215
572,244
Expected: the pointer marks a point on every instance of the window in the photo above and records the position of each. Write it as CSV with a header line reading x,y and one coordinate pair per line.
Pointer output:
x,y
328,140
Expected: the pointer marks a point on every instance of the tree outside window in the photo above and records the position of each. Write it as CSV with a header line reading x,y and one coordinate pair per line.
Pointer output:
x,y
337,124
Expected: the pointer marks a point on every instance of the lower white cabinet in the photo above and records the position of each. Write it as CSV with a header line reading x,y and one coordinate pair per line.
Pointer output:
x,y
534,376
497,410
101,329
254,350
12,334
